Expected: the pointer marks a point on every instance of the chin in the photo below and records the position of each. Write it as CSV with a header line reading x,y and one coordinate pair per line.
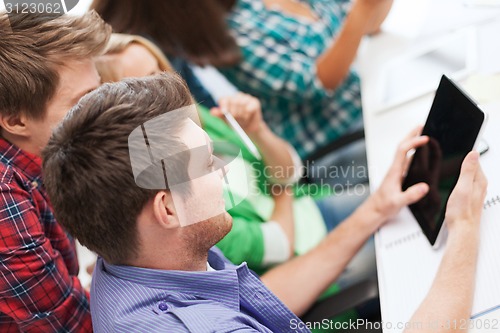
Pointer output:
x,y
227,223
221,225
228,218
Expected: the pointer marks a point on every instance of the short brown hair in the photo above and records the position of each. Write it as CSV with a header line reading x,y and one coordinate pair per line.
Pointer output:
x,y
32,47
87,168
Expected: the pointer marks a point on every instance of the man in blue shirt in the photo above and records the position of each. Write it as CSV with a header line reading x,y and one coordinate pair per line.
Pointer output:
x,y
132,175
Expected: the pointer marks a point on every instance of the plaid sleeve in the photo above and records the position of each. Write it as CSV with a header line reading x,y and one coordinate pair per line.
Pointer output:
x,y
36,290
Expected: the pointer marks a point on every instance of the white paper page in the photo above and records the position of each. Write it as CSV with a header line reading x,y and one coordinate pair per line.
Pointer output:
x,y
409,265
487,280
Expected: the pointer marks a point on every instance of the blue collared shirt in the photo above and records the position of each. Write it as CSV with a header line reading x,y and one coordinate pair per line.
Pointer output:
x,y
228,299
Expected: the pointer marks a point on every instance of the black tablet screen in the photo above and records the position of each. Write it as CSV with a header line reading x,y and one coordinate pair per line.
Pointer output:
x,y
453,125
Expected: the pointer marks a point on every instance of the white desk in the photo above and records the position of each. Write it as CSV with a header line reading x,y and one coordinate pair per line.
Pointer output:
x,y
385,128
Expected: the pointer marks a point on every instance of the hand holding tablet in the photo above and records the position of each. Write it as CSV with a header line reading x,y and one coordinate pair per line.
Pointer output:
x,y
453,126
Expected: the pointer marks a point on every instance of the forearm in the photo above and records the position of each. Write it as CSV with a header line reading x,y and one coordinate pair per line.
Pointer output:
x,y
334,64
299,282
275,153
449,300
283,215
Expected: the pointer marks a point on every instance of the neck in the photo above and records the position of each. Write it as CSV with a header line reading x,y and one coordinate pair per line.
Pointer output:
x,y
21,143
172,258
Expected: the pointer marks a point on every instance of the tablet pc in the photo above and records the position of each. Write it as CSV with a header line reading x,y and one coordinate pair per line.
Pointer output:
x,y
453,126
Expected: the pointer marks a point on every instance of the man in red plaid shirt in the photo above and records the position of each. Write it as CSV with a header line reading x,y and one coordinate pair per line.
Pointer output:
x,y
46,65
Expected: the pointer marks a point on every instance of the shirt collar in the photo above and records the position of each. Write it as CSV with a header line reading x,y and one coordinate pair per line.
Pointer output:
x,y
29,164
220,285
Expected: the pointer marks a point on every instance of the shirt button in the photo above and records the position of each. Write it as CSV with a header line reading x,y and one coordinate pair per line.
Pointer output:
x,y
260,295
34,184
163,306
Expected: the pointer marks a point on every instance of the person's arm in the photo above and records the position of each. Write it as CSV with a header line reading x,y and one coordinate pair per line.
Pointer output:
x,y
275,152
283,215
365,17
280,166
448,304
37,292
299,282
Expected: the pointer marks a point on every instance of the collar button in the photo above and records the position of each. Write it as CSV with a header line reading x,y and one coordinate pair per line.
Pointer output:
x,y
163,306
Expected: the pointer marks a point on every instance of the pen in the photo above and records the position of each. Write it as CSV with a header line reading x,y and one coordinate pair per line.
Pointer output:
x,y
241,133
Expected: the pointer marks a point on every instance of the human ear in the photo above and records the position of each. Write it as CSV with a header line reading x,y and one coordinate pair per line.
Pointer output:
x,y
15,125
164,210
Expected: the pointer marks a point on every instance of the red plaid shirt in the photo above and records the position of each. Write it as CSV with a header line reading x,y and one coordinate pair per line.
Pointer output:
x,y
39,288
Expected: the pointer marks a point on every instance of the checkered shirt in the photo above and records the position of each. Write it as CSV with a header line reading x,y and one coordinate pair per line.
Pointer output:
x,y
279,56
39,288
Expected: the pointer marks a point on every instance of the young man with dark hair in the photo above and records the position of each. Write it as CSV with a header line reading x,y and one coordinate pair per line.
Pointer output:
x,y
46,65
110,184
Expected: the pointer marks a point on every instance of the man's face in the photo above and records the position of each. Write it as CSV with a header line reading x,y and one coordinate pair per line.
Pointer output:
x,y
76,78
205,201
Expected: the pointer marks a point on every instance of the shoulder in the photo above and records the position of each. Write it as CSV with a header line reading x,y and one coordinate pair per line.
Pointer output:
x,y
16,198
182,318
119,306
12,179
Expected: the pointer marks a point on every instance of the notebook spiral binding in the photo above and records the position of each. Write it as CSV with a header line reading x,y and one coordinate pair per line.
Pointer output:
x,y
404,239
492,202
488,204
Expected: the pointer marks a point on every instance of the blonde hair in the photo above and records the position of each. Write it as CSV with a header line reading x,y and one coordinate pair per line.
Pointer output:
x,y
117,44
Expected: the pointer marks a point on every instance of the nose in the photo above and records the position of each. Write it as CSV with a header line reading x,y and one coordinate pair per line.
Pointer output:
x,y
221,166
225,169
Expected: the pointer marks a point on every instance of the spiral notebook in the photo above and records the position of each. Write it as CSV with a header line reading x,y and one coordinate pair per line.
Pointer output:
x,y
493,201
407,264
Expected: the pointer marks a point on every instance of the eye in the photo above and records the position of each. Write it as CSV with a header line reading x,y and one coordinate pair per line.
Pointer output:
x,y
211,162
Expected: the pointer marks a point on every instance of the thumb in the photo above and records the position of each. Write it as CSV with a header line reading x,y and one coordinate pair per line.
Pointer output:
x,y
470,165
415,193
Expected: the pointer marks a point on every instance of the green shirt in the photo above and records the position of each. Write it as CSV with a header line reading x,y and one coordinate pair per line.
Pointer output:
x,y
245,241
